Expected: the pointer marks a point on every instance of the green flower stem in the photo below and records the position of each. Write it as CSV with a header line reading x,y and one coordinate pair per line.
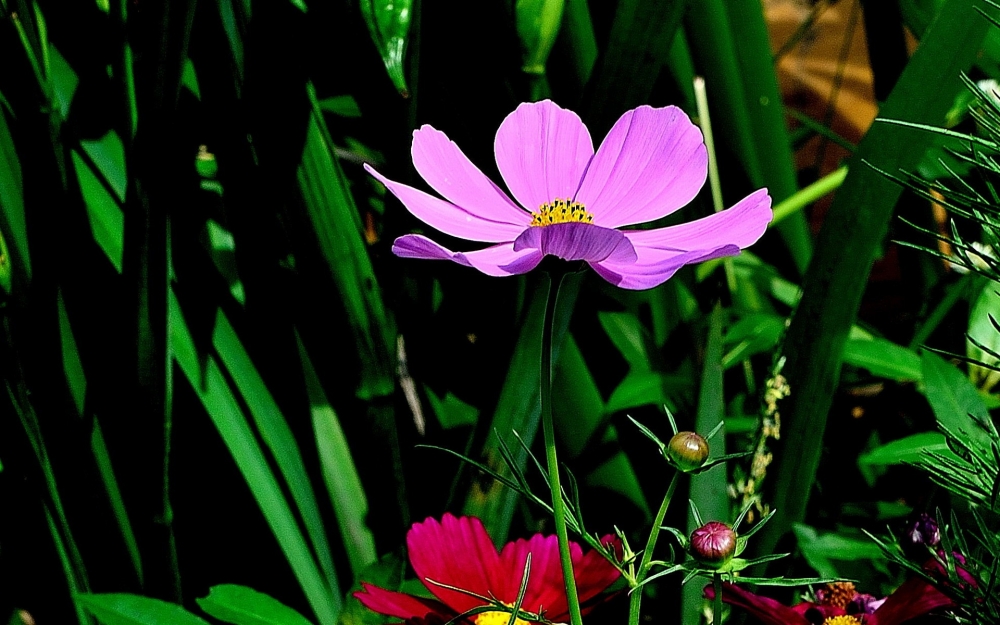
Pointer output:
x,y
635,600
548,431
717,602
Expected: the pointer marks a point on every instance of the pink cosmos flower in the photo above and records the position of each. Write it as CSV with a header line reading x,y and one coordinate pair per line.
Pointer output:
x,y
840,604
458,552
572,202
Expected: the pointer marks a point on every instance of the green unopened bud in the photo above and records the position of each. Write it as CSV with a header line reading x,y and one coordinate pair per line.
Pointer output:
x,y
713,544
687,450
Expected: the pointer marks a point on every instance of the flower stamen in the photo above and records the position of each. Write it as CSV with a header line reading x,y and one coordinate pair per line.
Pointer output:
x,y
837,594
842,620
497,617
561,211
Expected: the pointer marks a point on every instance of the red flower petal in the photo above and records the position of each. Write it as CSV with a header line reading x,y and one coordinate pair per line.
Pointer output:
x,y
768,611
400,605
914,598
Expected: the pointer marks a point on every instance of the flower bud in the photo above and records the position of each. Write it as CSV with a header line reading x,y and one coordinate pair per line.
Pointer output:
x,y
713,544
687,450
923,531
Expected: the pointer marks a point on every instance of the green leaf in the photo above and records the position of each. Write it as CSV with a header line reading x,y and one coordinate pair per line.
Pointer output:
x,y
14,228
820,550
278,437
629,336
537,25
342,105
240,605
64,81
107,221
904,450
956,402
451,411
753,334
339,472
219,401
388,24
982,332
883,358
126,609
644,388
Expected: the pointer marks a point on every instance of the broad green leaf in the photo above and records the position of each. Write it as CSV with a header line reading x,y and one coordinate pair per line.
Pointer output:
x,y
339,472
219,401
126,609
883,358
643,388
904,450
853,231
451,411
277,435
537,25
64,81
388,24
956,402
240,605
577,407
819,550
981,331
108,154
629,336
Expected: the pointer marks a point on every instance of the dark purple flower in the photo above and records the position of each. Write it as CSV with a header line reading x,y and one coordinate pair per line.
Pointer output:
x,y
914,598
572,202
923,531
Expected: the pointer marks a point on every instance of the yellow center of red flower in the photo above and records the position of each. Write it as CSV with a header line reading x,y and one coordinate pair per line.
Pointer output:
x,y
561,211
498,618
839,594
842,620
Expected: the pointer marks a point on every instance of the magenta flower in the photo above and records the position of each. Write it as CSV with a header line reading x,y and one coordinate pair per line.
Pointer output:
x,y
572,202
458,552
840,604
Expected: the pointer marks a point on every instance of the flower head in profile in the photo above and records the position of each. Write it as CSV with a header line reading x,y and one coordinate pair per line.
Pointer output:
x,y
575,203
840,604
458,553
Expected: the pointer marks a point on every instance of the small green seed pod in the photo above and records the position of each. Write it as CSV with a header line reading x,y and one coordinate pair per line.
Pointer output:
x,y
687,450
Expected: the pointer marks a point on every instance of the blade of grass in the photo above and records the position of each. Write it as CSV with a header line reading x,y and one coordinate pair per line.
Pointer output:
x,y
210,385
854,228
274,430
343,483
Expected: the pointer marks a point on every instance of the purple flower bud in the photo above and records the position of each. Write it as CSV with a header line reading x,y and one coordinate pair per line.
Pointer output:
x,y
923,531
687,450
713,544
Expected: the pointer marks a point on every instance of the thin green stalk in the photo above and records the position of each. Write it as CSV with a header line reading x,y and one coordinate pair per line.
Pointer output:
x,y
717,602
701,97
635,600
810,194
548,431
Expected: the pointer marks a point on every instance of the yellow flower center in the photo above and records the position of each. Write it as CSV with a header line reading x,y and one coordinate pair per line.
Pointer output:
x,y
842,620
839,594
496,617
561,211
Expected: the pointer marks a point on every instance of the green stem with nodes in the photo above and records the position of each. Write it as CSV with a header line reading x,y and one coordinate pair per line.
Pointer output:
x,y
717,602
548,431
635,600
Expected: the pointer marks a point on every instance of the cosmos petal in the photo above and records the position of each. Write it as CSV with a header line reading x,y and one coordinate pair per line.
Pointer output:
x,y
768,611
914,598
652,162
655,266
447,217
449,172
456,552
498,260
740,225
578,241
397,604
594,573
542,151
545,585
